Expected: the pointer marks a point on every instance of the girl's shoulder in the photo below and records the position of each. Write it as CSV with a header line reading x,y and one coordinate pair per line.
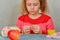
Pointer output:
x,y
22,17
46,16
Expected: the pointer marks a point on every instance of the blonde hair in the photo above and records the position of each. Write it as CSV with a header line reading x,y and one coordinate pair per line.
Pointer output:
x,y
43,6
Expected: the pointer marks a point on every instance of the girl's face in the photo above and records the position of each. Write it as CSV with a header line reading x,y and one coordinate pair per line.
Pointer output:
x,y
33,6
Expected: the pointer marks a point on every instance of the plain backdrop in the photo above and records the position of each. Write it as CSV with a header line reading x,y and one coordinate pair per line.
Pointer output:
x,y
9,12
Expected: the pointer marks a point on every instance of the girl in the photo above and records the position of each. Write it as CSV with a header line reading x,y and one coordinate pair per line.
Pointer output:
x,y
34,19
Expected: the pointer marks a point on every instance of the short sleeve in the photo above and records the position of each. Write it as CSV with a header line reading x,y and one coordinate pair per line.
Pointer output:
x,y
50,27
19,22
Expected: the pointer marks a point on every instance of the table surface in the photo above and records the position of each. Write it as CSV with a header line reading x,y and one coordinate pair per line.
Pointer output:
x,y
31,37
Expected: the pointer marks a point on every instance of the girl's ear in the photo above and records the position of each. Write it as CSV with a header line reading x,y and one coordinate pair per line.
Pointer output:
x,y
39,11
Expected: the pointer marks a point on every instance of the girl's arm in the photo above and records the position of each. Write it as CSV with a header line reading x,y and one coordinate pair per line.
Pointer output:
x,y
24,27
19,24
50,27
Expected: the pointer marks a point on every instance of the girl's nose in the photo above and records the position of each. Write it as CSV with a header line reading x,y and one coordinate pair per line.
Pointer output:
x,y
32,7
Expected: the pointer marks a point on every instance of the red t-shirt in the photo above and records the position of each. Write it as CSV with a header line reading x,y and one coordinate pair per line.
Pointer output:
x,y
44,21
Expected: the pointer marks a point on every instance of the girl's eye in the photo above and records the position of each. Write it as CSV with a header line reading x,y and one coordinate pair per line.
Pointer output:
x,y
29,4
36,4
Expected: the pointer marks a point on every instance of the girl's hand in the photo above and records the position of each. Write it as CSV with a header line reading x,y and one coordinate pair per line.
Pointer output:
x,y
36,29
26,29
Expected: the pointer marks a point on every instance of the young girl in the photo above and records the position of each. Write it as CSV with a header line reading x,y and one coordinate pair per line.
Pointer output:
x,y
34,19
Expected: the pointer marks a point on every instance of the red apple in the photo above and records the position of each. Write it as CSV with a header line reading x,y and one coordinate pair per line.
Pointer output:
x,y
14,34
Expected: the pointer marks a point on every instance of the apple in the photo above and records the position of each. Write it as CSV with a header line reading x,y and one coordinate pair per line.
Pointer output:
x,y
14,34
